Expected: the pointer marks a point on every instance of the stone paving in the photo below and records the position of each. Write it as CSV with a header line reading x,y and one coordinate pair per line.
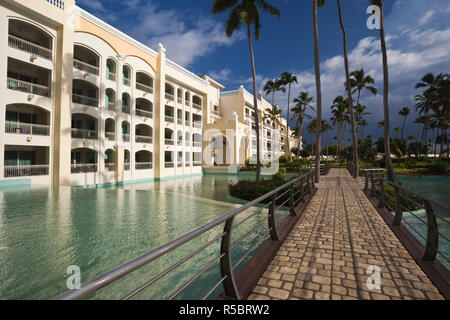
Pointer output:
x,y
335,249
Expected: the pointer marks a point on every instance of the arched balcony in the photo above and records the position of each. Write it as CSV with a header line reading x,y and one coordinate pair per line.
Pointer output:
x,y
144,82
144,160
170,91
126,103
126,74
86,60
29,38
28,78
187,140
197,140
126,160
26,161
180,96
180,138
169,161
125,131
110,99
85,93
197,121
27,119
111,69
197,102
144,108
168,137
110,129
84,127
187,99
84,160
144,134
110,164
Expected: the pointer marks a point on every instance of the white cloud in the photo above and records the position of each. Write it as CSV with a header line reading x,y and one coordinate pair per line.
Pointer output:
x,y
426,17
95,5
222,75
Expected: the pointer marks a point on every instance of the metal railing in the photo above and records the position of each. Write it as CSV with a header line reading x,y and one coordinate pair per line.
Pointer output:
x,y
84,134
170,97
197,163
324,168
143,165
169,119
197,124
127,82
27,46
57,3
83,167
197,106
421,212
180,100
144,113
110,136
27,128
86,67
286,196
144,139
27,87
126,109
111,106
126,166
126,137
84,100
144,87
196,144
110,166
110,76
169,142
26,171
169,164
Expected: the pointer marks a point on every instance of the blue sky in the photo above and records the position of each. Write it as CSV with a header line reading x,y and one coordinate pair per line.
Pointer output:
x,y
418,34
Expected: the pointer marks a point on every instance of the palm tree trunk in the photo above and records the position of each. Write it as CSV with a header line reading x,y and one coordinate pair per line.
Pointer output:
x,y
318,91
403,128
350,98
255,105
287,124
387,142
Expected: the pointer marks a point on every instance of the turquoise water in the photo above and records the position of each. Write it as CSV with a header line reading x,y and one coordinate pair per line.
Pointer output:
x,y
437,188
43,231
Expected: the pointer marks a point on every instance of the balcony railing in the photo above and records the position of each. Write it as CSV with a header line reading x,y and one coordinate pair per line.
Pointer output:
x,y
127,82
187,164
126,137
84,134
197,144
111,106
26,171
110,166
197,163
187,103
170,97
126,109
187,143
86,101
187,123
144,139
180,100
180,164
169,165
110,136
57,3
27,128
144,87
126,166
110,76
169,119
180,121
144,113
180,142
197,124
27,46
86,67
169,142
143,165
197,106
83,167
27,87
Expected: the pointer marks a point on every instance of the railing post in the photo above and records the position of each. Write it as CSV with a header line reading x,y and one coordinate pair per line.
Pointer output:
x,y
431,246
398,208
382,191
302,190
291,201
312,182
226,267
372,188
366,181
271,220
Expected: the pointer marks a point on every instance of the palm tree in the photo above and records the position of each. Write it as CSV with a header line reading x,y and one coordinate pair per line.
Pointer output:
x,y
397,129
316,3
339,110
349,92
363,123
405,113
247,12
288,79
325,128
271,87
424,105
380,124
297,133
303,103
387,145
273,114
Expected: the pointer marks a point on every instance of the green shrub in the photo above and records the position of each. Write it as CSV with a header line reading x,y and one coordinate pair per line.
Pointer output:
x,y
439,167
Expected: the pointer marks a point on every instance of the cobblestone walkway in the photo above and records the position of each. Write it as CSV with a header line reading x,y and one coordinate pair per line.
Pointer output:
x,y
329,251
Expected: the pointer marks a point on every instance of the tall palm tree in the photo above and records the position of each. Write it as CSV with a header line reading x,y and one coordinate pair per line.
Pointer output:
x,y
288,79
349,92
271,87
325,128
339,110
387,144
273,114
397,129
303,103
405,111
317,3
363,123
247,12
424,105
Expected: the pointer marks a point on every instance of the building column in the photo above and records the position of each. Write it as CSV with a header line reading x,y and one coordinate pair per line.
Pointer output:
x,y
62,113
159,107
119,154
